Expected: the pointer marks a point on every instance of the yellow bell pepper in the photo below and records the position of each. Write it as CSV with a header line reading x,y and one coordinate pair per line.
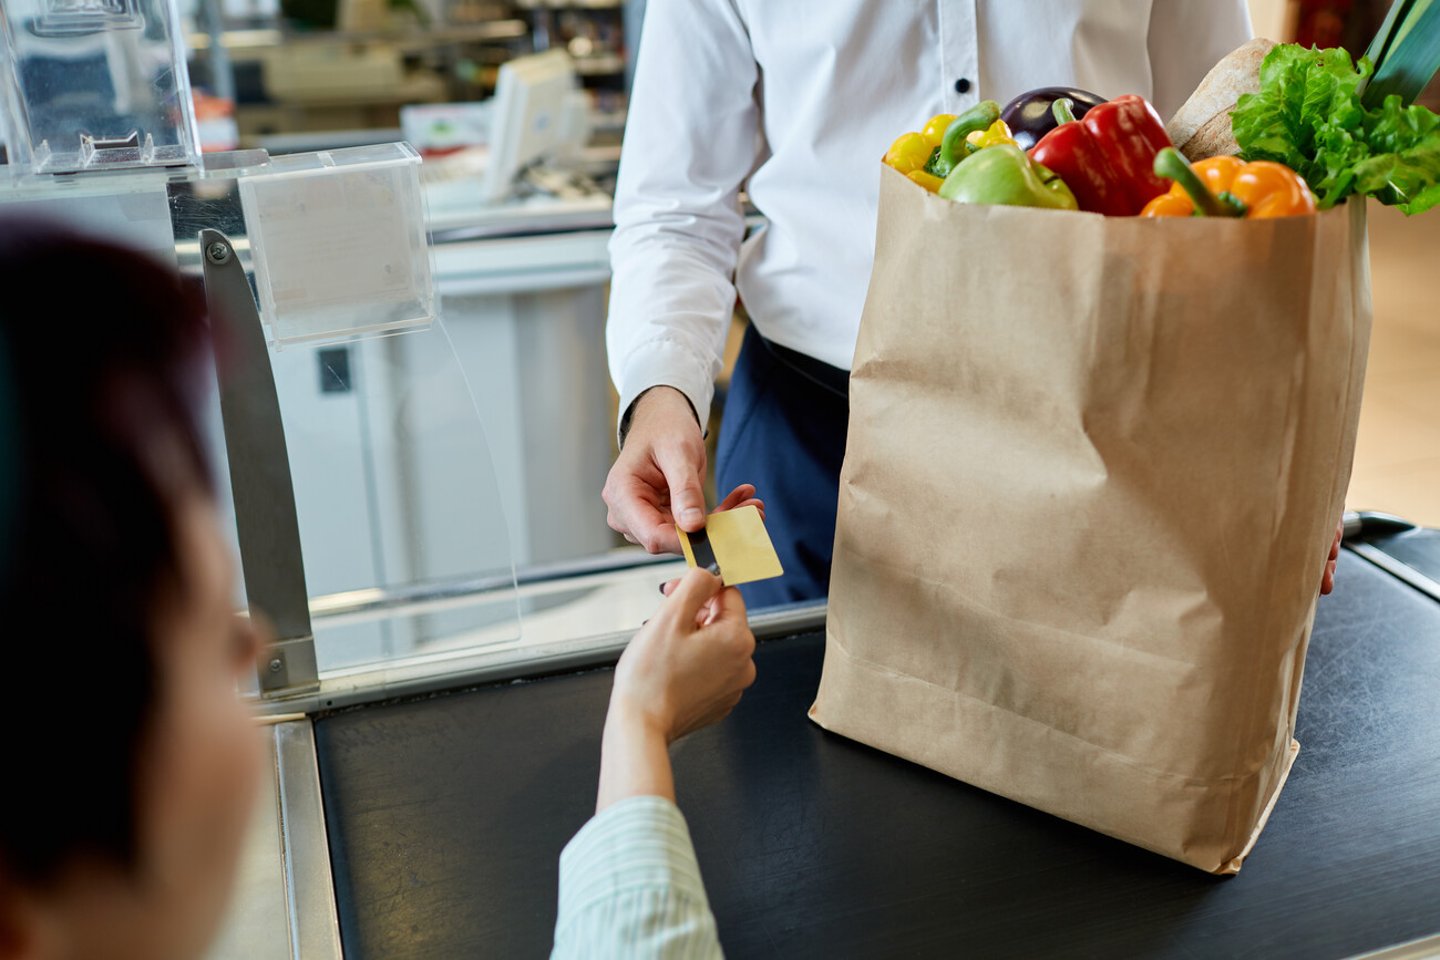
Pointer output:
x,y
934,130
927,180
909,152
993,135
913,154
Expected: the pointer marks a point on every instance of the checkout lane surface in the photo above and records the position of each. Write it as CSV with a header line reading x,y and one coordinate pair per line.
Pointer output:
x,y
447,816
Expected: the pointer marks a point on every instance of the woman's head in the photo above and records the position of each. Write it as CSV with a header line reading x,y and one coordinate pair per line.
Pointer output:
x,y
131,762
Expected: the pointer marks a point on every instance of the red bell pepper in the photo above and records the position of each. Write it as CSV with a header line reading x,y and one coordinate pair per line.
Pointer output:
x,y
1107,158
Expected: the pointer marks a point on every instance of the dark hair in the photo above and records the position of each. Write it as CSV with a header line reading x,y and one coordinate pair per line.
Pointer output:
x,y
102,364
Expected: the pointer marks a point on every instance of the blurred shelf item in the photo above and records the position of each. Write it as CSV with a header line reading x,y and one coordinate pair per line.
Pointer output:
x,y
591,31
607,121
359,61
351,124
416,88
215,121
600,65
570,4
238,39
411,39
1336,23
476,11
328,76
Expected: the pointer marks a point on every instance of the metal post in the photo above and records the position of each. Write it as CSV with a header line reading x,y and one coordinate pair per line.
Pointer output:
x,y
260,479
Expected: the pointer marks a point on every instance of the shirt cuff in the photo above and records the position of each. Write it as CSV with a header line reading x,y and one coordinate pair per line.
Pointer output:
x,y
665,363
640,842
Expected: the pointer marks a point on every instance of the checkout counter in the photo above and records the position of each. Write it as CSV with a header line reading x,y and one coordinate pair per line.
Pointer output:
x,y
428,823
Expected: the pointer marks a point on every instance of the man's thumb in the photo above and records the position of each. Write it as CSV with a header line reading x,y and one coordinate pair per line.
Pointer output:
x,y
687,499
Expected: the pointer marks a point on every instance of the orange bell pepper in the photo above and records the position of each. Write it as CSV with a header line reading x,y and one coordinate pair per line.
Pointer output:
x,y
1229,187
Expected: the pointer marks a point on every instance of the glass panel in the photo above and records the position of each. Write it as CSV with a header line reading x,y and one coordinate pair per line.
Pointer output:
x,y
405,537
396,494
95,84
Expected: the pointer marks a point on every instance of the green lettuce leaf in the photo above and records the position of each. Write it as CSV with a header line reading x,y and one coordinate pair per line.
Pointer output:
x,y
1301,93
1404,165
1309,116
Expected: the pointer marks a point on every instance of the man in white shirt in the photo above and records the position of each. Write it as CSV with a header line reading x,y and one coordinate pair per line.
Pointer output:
x,y
795,103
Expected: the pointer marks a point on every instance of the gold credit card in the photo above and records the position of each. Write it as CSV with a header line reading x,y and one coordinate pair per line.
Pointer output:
x,y
735,545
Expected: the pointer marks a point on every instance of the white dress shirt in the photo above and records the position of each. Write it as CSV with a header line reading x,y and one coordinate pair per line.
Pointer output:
x,y
796,101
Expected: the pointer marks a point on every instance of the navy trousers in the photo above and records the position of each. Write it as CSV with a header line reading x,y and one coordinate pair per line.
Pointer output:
x,y
783,430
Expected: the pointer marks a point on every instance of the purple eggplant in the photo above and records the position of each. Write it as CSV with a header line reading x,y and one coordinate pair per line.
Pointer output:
x,y
1029,116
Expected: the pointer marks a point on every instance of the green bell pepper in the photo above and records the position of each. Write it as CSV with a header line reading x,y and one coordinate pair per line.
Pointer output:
x,y
1004,175
953,148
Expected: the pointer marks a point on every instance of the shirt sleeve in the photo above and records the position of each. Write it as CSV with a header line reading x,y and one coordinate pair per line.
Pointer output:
x,y
1187,38
692,137
630,887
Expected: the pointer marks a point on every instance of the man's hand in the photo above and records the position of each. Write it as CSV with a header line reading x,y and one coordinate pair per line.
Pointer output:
x,y
1327,579
686,669
656,481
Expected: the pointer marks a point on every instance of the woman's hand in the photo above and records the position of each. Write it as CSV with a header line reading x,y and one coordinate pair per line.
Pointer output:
x,y
686,669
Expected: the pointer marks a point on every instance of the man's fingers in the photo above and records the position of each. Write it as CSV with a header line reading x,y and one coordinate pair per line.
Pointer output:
x,y
687,498
640,521
737,497
693,592
653,532
742,496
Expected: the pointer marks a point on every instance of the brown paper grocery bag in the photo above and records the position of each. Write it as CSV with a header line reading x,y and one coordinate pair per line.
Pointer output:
x,y
1093,473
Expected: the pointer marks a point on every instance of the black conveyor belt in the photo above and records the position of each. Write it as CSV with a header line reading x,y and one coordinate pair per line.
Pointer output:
x,y
447,816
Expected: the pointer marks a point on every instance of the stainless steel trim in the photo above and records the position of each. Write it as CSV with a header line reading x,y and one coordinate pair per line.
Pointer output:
x,y
1422,949
1358,523
417,676
1396,568
787,621
309,886
539,223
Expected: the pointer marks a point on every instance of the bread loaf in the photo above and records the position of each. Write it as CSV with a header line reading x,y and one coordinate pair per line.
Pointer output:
x,y
1201,127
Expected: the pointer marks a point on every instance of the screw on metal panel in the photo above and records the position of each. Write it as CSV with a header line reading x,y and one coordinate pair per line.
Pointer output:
x,y
218,252
276,664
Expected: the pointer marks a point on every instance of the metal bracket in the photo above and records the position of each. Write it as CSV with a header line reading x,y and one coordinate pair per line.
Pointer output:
x,y
260,478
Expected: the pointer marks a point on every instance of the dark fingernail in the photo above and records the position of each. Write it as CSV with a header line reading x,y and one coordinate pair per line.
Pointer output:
x,y
662,589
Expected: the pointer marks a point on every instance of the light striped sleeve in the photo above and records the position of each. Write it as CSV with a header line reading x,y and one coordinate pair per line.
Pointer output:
x,y
630,887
